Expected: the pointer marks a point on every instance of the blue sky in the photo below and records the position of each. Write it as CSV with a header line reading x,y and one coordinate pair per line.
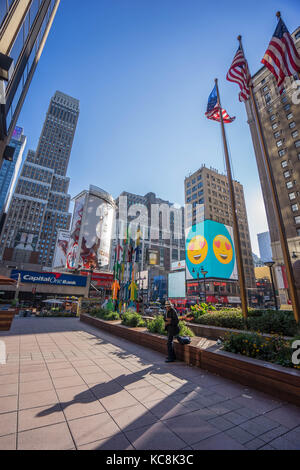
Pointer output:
x,y
143,71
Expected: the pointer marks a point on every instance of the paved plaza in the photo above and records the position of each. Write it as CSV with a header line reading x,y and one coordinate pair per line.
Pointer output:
x,y
67,385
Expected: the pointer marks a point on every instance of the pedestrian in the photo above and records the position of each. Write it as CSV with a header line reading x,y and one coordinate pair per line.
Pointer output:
x,y
171,325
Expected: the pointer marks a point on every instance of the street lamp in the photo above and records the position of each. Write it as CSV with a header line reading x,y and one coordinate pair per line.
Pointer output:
x,y
198,277
270,264
204,274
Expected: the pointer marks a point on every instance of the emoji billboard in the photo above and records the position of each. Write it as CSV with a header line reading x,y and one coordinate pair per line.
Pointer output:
x,y
209,245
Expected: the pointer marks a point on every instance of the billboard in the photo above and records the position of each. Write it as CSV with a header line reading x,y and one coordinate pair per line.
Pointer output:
x,y
209,245
17,133
92,228
61,249
153,257
72,252
178,265
96,232
57,279
176,285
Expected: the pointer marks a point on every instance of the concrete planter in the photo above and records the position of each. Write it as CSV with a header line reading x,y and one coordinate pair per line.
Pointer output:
x,y
281,382
6,318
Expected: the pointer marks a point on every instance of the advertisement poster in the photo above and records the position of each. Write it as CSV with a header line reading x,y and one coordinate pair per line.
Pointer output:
x,y
176,285
153,257
75,233
96,233
209,245
61,249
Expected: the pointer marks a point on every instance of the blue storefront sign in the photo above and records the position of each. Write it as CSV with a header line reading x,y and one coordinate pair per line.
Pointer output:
x,y
57,279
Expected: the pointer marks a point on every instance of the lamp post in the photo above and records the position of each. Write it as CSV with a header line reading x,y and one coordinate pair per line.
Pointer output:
x,y
204,274
198,278
270,264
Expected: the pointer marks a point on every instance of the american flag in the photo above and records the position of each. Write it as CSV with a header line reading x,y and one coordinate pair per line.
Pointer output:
x,y
281,57
239,73
213,109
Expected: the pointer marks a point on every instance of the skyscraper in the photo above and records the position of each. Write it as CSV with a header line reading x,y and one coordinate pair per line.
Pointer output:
x,y
10,169
24,28
264,243
40,204
280,118
207,193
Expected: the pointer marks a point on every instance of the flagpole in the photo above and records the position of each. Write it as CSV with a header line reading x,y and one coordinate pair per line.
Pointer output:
x,y
276,204
236,232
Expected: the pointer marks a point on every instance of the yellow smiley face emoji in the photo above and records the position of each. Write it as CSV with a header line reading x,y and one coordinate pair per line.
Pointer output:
x,y
197,249
223,249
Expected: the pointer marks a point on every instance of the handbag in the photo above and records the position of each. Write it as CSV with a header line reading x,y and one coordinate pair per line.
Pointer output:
x,y
184,339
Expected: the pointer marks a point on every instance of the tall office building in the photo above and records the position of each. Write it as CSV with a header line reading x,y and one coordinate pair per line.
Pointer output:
x,y
24,28
162,226
207,193
170,245
10,169
40,204
264,243
280,117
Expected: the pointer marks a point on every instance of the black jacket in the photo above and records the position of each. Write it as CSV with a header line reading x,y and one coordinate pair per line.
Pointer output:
x,y
172,328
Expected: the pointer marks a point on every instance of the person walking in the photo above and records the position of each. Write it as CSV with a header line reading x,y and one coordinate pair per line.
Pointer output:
x,y
171,325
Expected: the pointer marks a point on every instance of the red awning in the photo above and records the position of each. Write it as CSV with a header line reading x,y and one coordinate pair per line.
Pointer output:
x,y
7,281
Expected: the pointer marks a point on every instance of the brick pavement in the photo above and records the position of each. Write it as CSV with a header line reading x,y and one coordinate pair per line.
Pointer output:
x,y
67,385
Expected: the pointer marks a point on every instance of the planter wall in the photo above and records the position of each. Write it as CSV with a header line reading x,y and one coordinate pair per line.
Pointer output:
x,y
6,318
281,382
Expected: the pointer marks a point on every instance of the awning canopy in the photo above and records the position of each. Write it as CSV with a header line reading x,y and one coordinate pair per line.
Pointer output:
x,y
7,281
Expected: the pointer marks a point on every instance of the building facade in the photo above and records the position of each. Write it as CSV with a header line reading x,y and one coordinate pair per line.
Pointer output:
x,y
162,228
24,28
40,204
264,243
207,198
10,169
280,117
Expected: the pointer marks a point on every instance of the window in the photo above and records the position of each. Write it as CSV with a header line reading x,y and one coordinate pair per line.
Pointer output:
x,y
279,143
274,126
265,89
295,134
292,125
297,143
289,185
297,219
273,117
292,196
281,153
284,99
284,164
287,174
289,116
277,134
267,98
294,207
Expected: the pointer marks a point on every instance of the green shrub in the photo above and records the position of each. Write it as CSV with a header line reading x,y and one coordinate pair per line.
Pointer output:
x,y
229,319
157,325
132,319
275,349
266,321
104,314
273,321
184,330
201,309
